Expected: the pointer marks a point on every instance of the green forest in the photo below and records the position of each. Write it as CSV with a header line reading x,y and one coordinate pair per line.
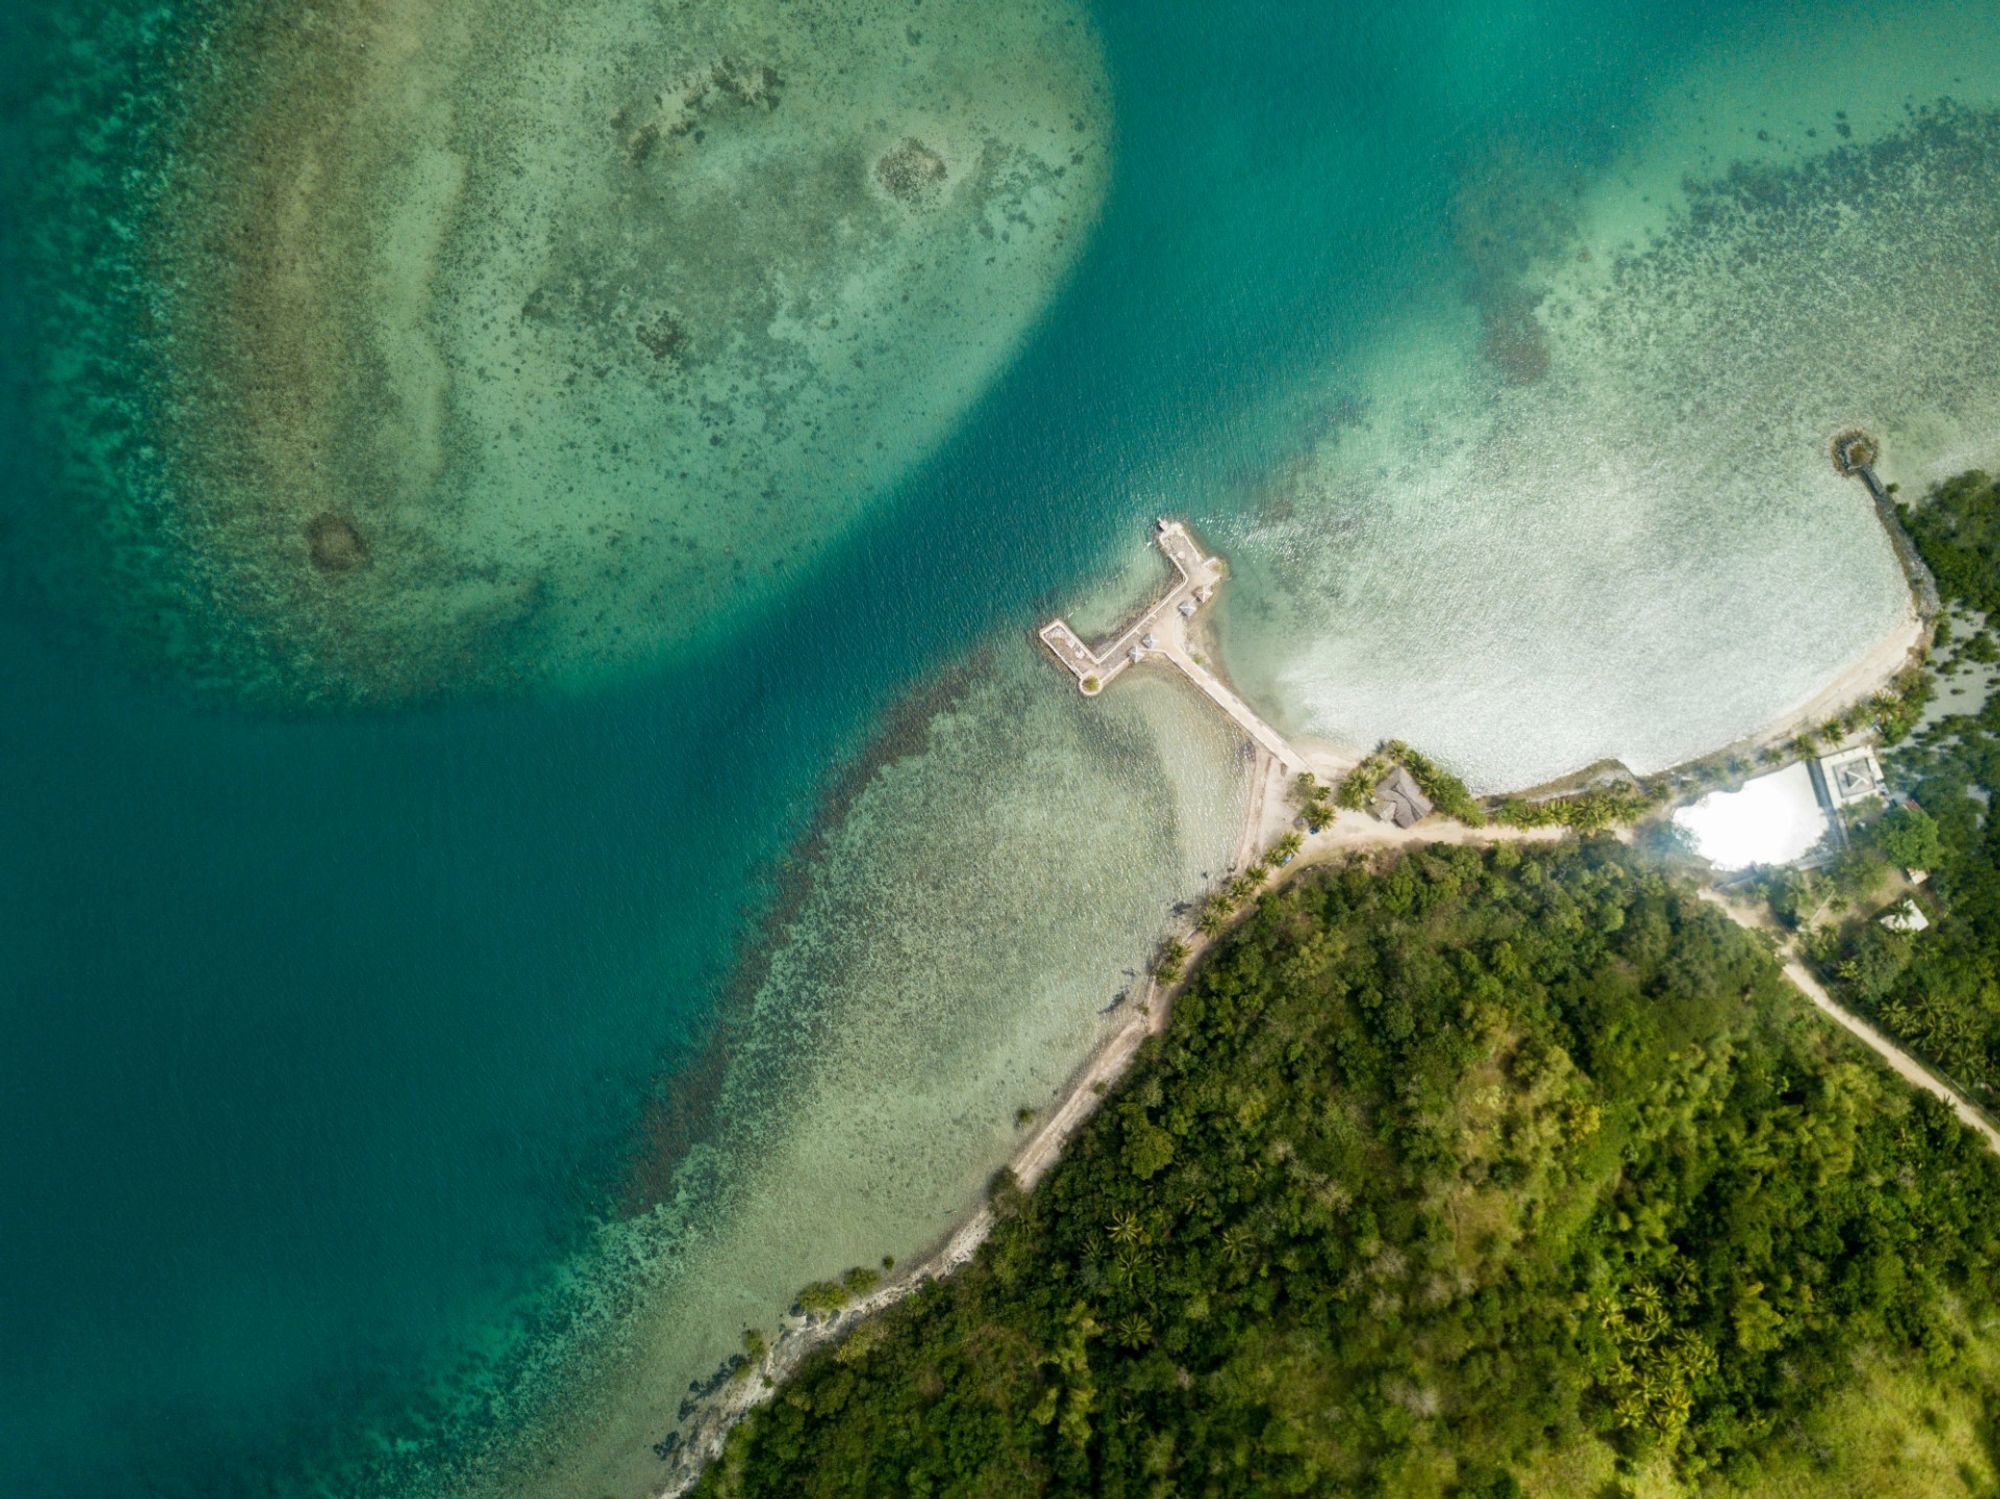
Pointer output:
x,y
1483,1173
1957,529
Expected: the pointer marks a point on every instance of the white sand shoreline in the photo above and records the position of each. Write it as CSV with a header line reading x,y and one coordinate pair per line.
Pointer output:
x,y
1868,675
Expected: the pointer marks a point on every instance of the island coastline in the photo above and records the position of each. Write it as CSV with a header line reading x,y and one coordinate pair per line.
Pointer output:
x,y
1268,811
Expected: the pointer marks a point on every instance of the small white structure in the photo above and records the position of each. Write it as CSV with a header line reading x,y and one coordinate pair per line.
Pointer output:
x,y
1908,917
1774,819
1851,775
1917,876
1186,607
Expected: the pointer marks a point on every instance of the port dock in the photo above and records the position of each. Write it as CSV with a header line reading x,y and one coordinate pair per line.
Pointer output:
x,y
1161,634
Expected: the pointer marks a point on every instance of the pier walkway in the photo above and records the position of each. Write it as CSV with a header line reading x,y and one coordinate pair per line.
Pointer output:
x,y
1160,633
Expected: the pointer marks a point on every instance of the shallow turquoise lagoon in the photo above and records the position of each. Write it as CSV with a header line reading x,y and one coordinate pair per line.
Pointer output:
x,y
383,1083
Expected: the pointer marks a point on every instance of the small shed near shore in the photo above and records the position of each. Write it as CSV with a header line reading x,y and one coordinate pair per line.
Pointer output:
x,y
1399,799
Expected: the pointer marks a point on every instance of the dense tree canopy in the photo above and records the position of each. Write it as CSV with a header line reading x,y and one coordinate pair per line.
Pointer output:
x,y
1958,531
1475,1173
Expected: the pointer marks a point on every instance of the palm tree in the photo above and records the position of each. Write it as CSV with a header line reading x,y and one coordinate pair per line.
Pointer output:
x,y
1134,1331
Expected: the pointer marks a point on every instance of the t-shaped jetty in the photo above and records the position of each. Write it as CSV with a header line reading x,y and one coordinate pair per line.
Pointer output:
x,y
1160,633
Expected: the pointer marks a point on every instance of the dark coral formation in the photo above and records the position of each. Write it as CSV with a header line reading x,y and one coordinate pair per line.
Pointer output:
x,y
334,545
912,172
1513,341
1854,451
1513,208
683,108
663,337
756,84
1864,255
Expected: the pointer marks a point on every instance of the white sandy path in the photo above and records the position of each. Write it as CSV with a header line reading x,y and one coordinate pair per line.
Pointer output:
x,y
1900,1062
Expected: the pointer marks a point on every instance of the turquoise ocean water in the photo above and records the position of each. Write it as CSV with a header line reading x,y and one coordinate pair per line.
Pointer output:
x,y
324,1038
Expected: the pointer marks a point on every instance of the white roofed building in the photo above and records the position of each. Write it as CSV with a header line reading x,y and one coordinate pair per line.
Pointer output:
x,y
1851,775
1908,917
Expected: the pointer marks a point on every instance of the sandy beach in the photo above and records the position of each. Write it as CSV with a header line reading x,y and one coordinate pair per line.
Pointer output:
x,y
1866,677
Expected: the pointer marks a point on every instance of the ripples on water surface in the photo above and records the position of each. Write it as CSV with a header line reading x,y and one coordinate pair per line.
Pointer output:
x,y
377,1081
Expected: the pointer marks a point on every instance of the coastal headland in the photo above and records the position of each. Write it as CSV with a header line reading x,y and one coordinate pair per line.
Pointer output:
x,y
1168,632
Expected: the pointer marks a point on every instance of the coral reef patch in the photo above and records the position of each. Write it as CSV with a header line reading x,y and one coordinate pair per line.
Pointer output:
x,y
912,172
613,316
334,544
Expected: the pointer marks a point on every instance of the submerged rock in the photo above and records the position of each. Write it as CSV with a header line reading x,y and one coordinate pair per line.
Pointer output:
x,y
334,545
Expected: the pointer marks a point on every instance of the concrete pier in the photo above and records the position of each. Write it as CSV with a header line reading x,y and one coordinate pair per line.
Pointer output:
x,y
1161,634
